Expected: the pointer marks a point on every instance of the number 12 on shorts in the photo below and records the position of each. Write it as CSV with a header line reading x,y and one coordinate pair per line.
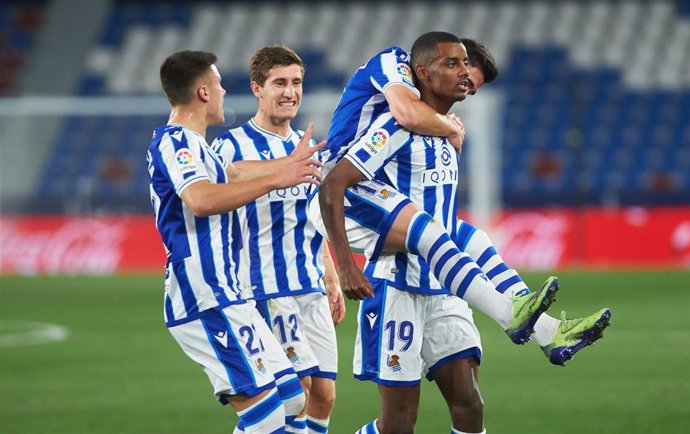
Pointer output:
x,y
403,331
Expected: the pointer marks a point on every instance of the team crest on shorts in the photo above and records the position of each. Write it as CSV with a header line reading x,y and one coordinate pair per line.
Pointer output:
x,y
385,194
260,366
393,362
185,160
292,355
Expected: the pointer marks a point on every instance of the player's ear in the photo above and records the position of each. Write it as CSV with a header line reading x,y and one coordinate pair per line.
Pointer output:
x,y
256,88
203,93
421,72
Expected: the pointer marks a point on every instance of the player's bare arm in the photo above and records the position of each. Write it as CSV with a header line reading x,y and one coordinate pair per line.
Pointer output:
x,y
246,170
204,198
332,201
418,117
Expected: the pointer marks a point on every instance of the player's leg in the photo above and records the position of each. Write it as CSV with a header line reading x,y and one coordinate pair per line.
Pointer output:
x,y
388,345
319,331
557,339
457,271
284,315
231,353
451,352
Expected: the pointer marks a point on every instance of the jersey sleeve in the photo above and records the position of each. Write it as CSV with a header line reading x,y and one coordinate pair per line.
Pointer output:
x,y
382,141
392,67
183,161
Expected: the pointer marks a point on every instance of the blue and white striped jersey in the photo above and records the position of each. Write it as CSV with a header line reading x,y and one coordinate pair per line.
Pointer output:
x,y
362,101
425,169
281,252
199,268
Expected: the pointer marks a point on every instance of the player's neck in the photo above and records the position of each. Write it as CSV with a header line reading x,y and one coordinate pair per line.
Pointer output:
x,y
192,119
279,127
442,106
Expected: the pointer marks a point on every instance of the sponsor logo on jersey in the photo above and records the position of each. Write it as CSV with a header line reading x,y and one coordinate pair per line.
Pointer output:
x,y
393,362
377,140
404,71
185,160
433,177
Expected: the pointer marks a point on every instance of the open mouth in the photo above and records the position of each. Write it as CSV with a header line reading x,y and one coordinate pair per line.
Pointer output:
x,y
287,104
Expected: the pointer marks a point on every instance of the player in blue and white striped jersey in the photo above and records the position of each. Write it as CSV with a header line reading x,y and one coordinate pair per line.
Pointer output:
x,y
283,262
192,190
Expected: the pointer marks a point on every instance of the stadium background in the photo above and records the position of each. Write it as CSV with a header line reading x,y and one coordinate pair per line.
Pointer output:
x,y
577,160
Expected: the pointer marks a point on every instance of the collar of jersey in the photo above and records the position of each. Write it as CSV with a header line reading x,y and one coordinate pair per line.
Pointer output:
x,y
261,130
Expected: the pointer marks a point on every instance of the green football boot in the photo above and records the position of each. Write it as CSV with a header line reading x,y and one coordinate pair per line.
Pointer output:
x,y
527,308
575,334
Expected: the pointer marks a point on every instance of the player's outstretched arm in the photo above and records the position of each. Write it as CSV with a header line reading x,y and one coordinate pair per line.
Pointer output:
x,y
248,170
418,117
332,201
204,198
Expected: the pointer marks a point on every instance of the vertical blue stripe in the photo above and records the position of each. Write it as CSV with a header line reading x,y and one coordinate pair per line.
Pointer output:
x,y
260,141
188,297
206,252
301,260
278,234
255,275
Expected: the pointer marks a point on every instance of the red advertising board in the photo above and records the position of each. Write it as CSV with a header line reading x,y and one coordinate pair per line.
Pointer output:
x,y
527,239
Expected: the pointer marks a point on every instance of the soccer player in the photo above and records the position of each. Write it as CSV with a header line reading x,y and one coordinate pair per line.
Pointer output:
x,y
386,79
284,263
192,191
413,326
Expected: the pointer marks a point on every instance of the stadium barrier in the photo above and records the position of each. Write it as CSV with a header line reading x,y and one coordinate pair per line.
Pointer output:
x,y
527,239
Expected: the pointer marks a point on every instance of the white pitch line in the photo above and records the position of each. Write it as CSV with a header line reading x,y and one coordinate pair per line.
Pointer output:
x,y
33,333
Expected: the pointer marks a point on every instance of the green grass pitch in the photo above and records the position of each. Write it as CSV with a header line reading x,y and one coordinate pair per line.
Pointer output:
x,y
119,370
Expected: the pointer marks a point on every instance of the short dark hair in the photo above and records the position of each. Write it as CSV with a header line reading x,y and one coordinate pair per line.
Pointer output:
x,y
424,48
268,57
481,57
181,70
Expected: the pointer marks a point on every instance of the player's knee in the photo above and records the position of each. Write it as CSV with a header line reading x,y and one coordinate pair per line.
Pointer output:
x,y
321,400
295,405
402,422
470,406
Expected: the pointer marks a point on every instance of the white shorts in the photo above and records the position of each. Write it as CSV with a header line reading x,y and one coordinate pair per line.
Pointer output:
x,y
402,335
371,207
235,348
303,325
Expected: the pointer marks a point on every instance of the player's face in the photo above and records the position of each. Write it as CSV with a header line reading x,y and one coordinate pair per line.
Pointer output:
x,y
216,114
281,94
448,73
475,80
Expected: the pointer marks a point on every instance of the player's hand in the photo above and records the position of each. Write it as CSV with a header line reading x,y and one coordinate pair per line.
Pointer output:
x,y
354,284
337,304
457,138
300,165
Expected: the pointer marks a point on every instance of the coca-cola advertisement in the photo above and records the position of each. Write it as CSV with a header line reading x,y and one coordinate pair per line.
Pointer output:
x,y
75,245
527,240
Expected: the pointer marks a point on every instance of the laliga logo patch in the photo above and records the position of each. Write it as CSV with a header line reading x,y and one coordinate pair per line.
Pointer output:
x,y
185,160
377,140
405,72
393,362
